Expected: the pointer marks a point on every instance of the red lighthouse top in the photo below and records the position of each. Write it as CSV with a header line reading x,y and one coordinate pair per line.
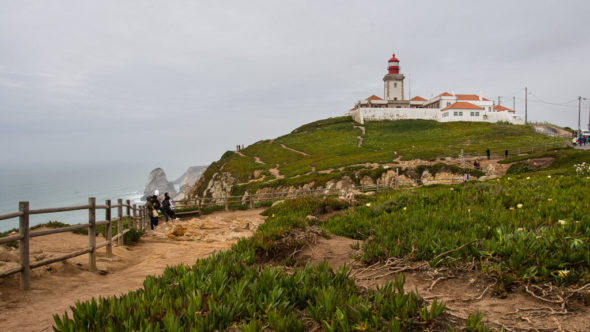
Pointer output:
x,y
393,65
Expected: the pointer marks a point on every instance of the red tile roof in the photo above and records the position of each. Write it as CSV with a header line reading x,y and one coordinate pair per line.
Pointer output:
x,y
445,94
469,97
373,97
500,108
463,106
417,98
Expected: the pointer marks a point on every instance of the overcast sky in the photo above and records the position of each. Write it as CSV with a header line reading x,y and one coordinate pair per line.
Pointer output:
x,y
177,83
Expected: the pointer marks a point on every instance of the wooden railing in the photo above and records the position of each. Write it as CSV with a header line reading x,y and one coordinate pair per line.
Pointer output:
x,y
517,151
135,216
197,204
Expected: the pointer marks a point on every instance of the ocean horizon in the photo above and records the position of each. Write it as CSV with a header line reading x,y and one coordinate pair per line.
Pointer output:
x,y
51,186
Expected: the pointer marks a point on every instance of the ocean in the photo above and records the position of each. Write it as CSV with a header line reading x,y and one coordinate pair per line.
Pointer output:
x,y
67,185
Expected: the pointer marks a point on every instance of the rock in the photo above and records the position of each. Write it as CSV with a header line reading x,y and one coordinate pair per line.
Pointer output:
x,y
311,218
190,177
39,257
207,225
178,230
157,181
8,256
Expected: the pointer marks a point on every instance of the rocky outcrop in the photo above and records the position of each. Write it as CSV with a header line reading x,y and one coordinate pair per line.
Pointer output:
x,y
551,131
219,186
189,177
157,181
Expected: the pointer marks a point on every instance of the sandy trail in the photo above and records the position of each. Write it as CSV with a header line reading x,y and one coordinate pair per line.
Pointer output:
x,y
56,287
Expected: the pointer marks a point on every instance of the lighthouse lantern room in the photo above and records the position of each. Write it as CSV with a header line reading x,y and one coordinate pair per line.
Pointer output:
x,y
394,82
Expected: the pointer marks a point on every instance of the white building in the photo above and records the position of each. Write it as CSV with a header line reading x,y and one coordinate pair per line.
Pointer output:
x,y
445,107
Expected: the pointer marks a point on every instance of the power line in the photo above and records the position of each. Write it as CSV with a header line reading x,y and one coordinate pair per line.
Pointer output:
x,y
512,94
552,103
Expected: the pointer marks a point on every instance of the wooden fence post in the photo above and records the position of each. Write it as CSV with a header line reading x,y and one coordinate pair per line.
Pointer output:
x,y
109,228
396,180
128,214
226,203
135,223
92,233
120,221
23,229
251,201
142,218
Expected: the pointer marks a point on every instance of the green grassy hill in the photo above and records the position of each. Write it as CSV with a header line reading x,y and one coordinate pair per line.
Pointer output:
x,y
333,144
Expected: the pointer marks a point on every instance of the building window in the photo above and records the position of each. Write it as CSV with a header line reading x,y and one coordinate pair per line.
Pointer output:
x,y
476,113
395,98
448,103
455,113
395,85
460,113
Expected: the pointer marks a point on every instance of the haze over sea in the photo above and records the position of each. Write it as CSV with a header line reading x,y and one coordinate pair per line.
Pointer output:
x,y
49,186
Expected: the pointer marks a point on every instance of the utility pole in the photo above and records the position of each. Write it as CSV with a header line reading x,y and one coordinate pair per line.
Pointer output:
x,y
499,100
526,104
514,103
579,111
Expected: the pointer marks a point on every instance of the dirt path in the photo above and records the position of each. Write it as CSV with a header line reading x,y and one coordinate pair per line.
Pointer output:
x,y
360,138
258,161
463,293
275,172
240,153
290,149
56,287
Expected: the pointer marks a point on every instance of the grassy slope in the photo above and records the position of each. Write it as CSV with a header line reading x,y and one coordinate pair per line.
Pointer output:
x,y
332,143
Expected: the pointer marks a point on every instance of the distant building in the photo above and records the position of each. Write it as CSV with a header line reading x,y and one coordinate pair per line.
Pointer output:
x,y
445,107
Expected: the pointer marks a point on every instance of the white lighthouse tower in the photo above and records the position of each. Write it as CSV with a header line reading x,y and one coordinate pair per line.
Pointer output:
x,y
394,84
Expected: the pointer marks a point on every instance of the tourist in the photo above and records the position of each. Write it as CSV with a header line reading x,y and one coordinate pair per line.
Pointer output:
x,y
506,153
466,177
488,153
167,208
476,164
151,212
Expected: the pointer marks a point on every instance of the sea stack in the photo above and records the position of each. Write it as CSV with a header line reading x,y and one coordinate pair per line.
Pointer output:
x,y
157,181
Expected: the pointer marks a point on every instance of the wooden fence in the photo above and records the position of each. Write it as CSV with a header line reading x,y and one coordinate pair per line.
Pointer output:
x,y
135,216
196,205
517,151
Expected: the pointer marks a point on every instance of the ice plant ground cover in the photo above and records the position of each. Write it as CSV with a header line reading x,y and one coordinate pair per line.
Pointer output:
x,y
531,227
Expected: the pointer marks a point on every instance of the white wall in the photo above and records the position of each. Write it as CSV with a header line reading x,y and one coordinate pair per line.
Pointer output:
x,y
392,91
361,115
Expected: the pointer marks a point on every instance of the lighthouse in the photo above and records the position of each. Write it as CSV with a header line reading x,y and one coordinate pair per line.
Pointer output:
x,y
394,82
